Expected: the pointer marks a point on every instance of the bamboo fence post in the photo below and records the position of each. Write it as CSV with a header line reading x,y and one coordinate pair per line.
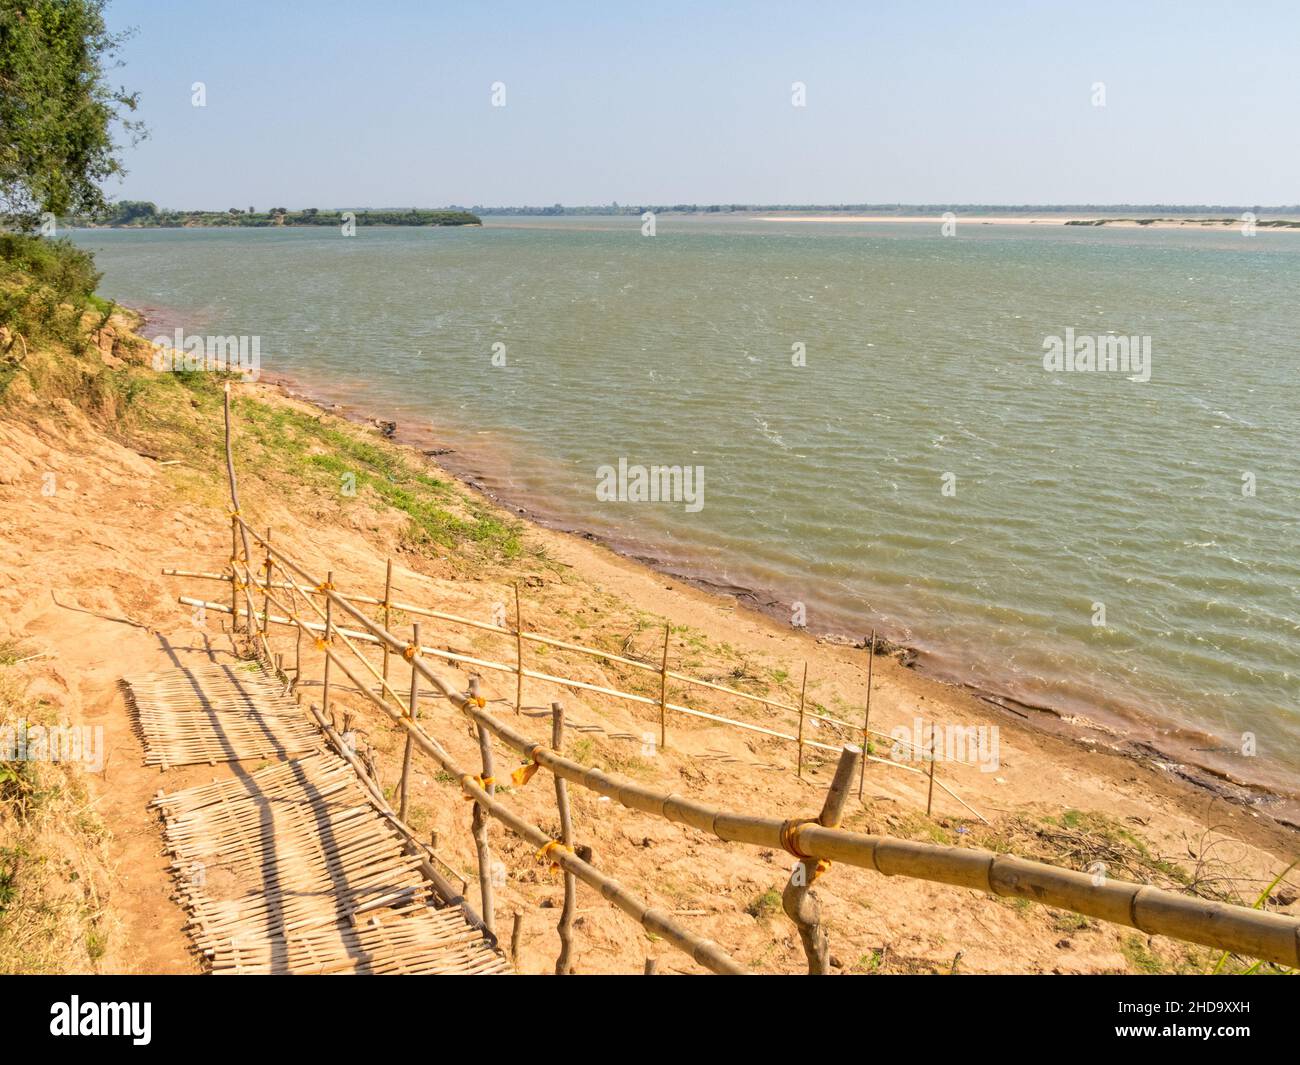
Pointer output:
x,y
866,717
388,617
519,653
234,573
479,823
799,903
803,688
516,937
663,693
929,798
651,966
414,713
266,595
564,964
329,632
237,523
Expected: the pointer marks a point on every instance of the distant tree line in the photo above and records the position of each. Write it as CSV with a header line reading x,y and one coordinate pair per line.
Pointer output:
x,y
145,213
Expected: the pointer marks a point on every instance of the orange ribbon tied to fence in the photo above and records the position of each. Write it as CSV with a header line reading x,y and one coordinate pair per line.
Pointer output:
x,y
410,651
482,782
545,853
527,771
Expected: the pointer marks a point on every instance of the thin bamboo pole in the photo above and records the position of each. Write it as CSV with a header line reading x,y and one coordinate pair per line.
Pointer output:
x,y
1269,936
663,693
414,712
479,824
236,516
234,583
441,884
388,609
803,689
329,635
866,717
516,938
929,797
797,900
564,963
519,653
266,597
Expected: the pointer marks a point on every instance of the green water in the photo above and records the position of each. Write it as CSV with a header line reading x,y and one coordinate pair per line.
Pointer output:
x,y
824,483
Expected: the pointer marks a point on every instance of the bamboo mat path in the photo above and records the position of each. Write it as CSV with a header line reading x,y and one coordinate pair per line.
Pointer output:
x,y
292,868
216,713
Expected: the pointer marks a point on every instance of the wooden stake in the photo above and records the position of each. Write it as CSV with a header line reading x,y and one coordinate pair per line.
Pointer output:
x,y
519,653
414,713
479,823
650,966
866,717
663,693
388,613
801,906
266,597
929,798
329,631
516,935
234,570
803,688
564,964
237,523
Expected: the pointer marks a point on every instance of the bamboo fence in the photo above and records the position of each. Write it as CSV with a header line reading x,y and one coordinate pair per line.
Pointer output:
x,y
816,840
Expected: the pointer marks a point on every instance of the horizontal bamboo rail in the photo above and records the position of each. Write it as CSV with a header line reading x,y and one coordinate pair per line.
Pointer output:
x,y
568,682
594,652
1271,937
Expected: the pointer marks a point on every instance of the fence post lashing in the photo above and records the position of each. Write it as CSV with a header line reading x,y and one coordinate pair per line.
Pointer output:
x,y
519,653
413,712
799,904
564,964
866,717
663,693
479,822
803,688
929,798
388,618
325,641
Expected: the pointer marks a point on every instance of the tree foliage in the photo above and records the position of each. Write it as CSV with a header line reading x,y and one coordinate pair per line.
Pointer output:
x,y
59,113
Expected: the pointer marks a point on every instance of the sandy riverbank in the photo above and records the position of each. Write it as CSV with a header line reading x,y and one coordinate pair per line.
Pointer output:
x,y
138,489
1212,224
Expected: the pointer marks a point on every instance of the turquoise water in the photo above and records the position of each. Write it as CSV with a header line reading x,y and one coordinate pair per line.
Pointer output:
x,y
824,483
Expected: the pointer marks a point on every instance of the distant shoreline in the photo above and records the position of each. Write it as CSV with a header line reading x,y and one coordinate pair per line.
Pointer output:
x,y
1272,224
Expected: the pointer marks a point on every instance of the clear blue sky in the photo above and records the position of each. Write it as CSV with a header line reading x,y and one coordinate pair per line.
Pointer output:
x,y
387,103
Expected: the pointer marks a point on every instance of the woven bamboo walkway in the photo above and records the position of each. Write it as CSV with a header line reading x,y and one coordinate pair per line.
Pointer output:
x,y
292,869
216,713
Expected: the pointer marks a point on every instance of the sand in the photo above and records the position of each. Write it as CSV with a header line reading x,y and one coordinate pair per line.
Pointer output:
x,y
80,581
